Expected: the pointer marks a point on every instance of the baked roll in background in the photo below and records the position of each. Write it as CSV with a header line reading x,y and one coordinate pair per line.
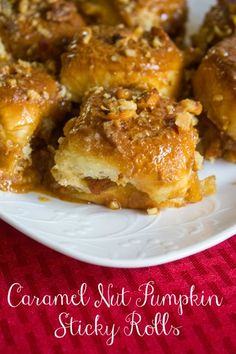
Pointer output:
x,y
31,105
215,87
38,30
118,56
169,14
219,23
132,149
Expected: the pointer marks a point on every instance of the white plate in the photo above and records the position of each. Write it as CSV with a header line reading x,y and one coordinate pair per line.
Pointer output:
x,y
129,238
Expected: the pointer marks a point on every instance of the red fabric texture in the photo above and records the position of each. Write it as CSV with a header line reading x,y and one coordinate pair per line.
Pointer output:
x,y
40,270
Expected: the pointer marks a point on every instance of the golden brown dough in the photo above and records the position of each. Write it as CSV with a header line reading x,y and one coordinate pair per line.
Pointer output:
x,y
170,14
215,86
38,30
219,23
31,104
117,56
131,149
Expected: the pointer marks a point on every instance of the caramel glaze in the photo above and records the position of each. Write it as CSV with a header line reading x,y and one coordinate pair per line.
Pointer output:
x,y
118,56
38,30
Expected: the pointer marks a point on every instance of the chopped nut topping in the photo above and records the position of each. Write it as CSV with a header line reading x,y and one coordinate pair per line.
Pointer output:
x,y
130,52
194,121
114,205
156,42
192,106
218,98
23,6
153,100
198,161
12,82
184,120
208,185
96,90
114,58
44,31
106,95
153,211
87,35
119,108
170,109
45,95
125,105
6,8
123,93
105,109
121,115
27,150
24,64
149,100
3,53
33,95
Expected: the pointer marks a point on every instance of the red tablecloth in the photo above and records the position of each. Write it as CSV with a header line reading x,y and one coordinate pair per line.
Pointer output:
x,y
41,271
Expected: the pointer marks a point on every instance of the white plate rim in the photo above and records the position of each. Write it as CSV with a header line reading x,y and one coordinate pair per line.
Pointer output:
x,y
128,263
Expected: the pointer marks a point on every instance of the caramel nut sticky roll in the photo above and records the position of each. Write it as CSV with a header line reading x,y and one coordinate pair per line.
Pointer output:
x,y
219,23
38,30
169,14
132,149
31,104
215,143
215,86
118,56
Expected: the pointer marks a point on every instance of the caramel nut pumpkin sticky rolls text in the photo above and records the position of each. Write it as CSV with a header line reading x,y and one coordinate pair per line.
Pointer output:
x,y
132,149
38,30
31,104
118,56
215,86
170,14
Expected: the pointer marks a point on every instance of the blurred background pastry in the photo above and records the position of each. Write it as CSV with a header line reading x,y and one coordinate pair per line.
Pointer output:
x,y
38,30
169,14
112,56
219,23
31,105
215,86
